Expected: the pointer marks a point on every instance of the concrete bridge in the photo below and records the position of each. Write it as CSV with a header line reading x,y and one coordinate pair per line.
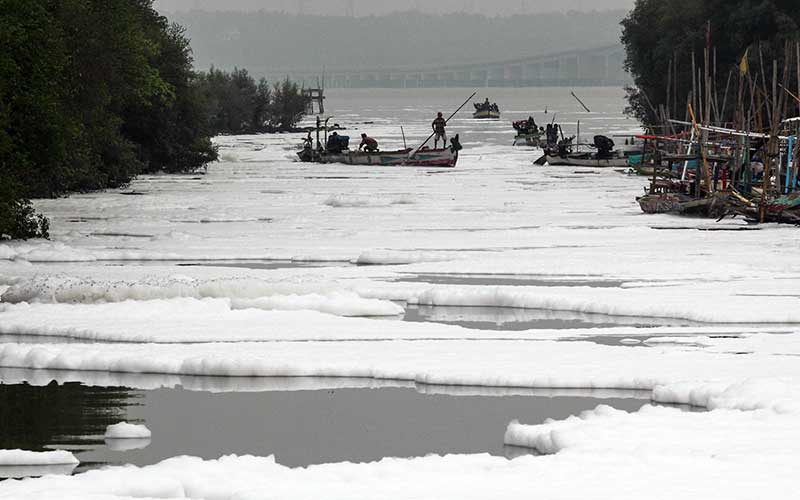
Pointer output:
x,y
593,67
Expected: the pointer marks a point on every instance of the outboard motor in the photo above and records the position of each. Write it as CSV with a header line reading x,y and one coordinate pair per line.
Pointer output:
x,y
455,144
604,146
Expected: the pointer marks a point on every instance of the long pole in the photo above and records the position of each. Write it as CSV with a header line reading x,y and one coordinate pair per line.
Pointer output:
x,y
404,137
446,121
581,102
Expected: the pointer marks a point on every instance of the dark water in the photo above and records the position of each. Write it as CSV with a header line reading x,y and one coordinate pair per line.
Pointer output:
x,y
300,427
511,319
507,280
240,264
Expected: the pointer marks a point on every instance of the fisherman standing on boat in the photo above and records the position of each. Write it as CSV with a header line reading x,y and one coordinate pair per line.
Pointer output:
x,y
439,125
369,144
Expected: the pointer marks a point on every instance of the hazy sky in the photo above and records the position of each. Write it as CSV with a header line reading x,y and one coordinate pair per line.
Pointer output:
x,y
377,7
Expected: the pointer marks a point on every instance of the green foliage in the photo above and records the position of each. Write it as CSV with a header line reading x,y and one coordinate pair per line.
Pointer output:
x,y
288,105
238,104
18,220
655,31
91,93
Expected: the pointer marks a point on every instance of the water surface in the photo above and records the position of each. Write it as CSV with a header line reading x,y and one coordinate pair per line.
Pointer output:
x,y
299,427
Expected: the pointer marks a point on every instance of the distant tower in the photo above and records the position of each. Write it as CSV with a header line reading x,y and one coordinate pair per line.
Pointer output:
x,y
350,10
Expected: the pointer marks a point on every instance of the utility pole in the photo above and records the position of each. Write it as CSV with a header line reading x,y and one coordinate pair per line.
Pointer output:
x,y
350,10
301,7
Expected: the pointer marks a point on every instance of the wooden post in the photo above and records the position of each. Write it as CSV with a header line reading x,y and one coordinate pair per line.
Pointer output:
x,y
703,154
797,48
669,84
710,187
694,83
721,116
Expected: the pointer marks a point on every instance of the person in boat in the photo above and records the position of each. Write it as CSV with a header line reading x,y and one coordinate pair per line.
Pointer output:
x,y
369,144
552,134
439,125
486,105
532,128
335,144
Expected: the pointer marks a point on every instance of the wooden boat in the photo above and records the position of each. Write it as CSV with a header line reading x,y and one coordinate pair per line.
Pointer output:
x,y
486,114
586,160
425,157
528,134
486,111
530,140
605,155
402,158
662,203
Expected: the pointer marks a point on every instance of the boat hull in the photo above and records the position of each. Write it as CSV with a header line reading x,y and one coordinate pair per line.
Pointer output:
x,y
486,115
403,158
529,140
581,161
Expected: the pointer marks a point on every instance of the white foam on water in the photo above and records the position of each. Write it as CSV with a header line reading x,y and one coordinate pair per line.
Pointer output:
x,y
124,430
35,458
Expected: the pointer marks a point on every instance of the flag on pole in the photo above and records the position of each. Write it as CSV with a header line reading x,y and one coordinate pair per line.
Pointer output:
x,y
743,65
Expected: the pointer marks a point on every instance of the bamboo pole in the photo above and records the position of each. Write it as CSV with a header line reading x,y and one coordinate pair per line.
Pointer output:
x,y
725,98
715,102
701,84
694,82
669,84
797,49
764,79
703,155
707,106
675,84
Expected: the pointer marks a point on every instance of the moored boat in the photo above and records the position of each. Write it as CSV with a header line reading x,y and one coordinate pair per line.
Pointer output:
x,y
604,156
586,160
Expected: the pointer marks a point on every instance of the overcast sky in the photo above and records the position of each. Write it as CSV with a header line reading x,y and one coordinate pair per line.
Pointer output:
x,y
377,7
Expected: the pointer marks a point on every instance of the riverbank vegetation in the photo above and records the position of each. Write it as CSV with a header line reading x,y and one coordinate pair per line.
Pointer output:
x,y
93,93
238,104
661,37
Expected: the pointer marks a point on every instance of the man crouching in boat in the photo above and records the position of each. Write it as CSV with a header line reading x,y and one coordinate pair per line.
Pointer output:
x,y
439,125
369,144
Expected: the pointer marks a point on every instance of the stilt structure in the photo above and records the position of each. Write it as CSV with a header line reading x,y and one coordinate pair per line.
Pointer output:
x,y
315,95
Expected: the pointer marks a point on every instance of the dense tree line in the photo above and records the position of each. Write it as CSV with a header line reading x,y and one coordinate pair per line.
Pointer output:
x,y
92,93
237,103
659,31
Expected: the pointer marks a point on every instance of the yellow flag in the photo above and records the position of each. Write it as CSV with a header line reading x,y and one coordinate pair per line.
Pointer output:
x,y
743,66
